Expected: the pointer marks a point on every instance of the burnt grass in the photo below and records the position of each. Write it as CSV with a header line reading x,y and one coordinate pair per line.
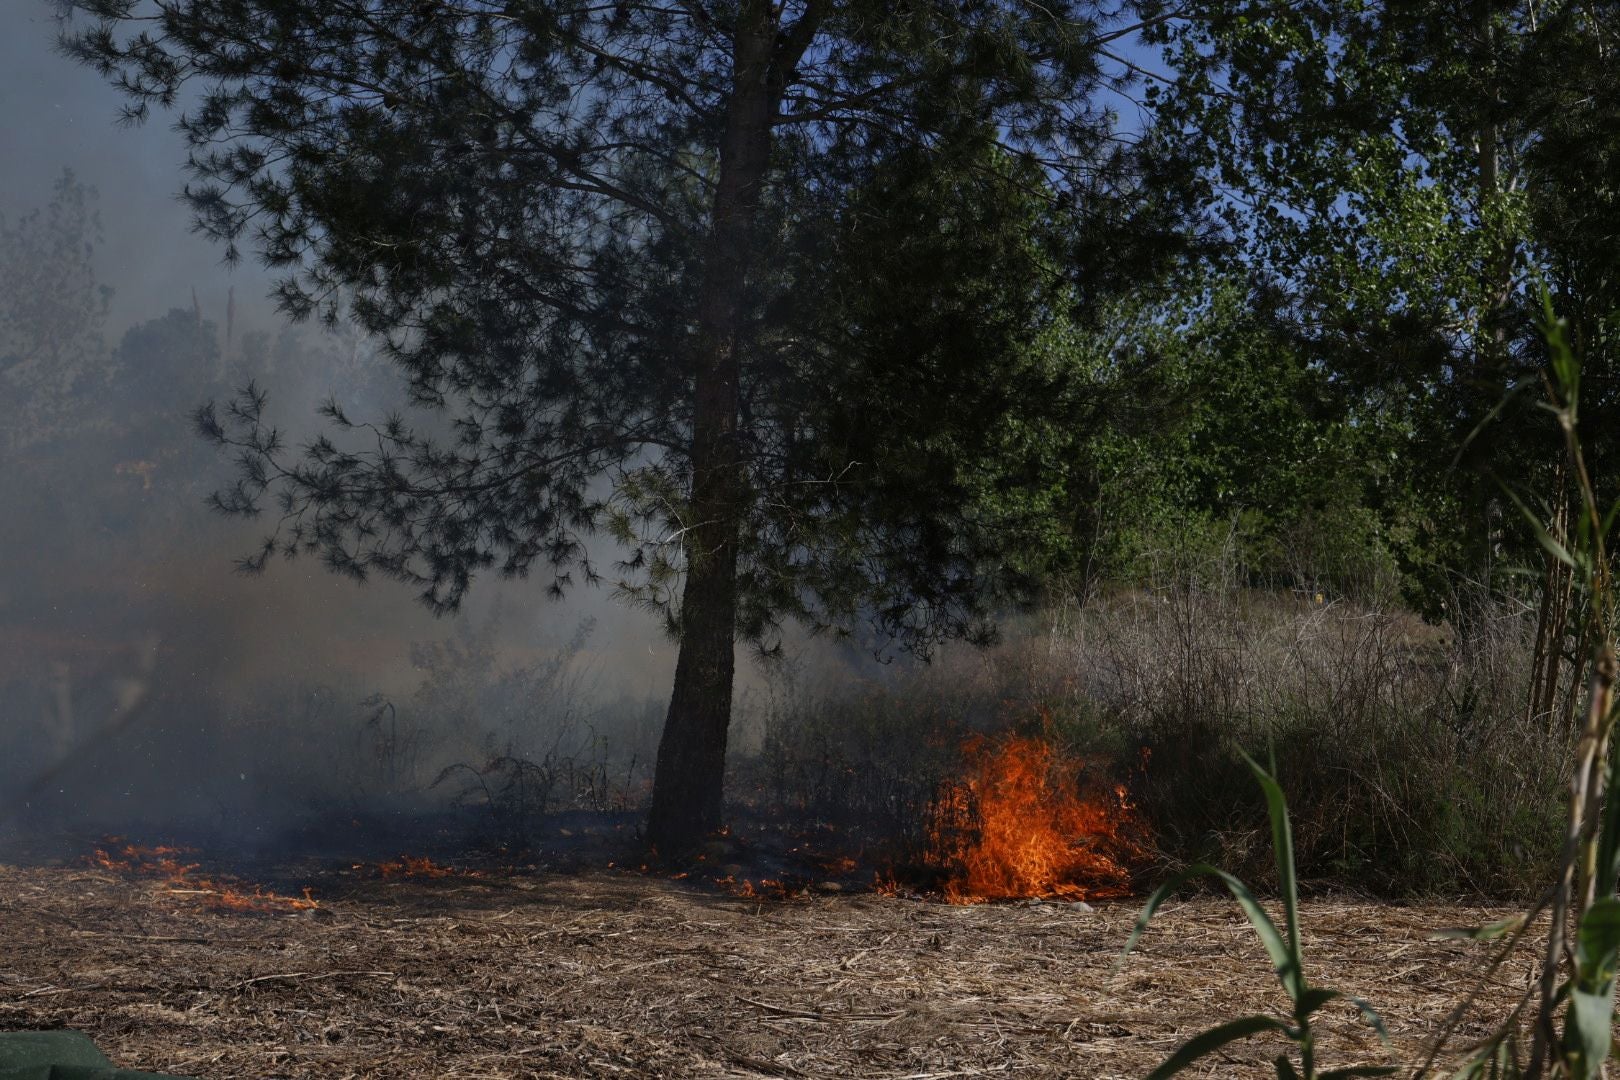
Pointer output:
x,y
604,973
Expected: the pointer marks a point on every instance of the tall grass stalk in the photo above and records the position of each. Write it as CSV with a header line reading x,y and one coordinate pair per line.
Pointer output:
x,y
1585,891
1573,997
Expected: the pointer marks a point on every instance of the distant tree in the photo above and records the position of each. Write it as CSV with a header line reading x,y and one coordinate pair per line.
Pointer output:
x,y
52,311
590,235
1574,204
1367,165
1250,452
1397,176
164,365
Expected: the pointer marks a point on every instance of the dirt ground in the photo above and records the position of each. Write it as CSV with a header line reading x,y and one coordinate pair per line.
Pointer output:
x,y
619,975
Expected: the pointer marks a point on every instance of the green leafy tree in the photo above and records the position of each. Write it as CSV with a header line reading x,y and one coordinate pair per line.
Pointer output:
x,y
1212,424
1376,167
1574,209
588,234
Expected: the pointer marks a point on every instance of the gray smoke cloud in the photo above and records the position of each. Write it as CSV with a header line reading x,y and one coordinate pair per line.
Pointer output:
x,y
55,115
132,656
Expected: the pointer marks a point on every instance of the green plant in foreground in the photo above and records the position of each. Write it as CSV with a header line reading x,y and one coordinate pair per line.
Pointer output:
x,y
1586,887
1579,965
1283,946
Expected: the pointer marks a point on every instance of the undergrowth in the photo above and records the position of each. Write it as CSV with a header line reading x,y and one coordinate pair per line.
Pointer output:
x,y
1411,761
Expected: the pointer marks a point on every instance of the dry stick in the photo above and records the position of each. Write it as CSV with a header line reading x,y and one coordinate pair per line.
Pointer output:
x,y
1553,957
310,976
1605,671
1553,626
1550,626
1578,879
1583,791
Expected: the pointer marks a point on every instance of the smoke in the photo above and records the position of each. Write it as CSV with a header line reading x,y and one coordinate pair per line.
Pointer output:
x,y
142,680
56,115
144,685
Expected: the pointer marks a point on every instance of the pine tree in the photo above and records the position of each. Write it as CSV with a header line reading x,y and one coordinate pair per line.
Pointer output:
x,y
655,267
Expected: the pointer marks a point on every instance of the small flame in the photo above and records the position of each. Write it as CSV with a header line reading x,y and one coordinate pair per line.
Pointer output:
x,y
840,864
1018,826
764,889
419,866
220,894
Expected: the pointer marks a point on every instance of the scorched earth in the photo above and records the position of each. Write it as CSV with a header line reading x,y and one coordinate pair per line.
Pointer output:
x,y
609,975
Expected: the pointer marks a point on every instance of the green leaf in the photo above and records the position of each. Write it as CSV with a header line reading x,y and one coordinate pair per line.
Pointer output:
x,y
1215,1038
1283,961
1597,946
1317,996
1358,1070
1285,1068
1282,839
1372,1017
1545,538
1566,368
1312,999
1608,518
1587,1031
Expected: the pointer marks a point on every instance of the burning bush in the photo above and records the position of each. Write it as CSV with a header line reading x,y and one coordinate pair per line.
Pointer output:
x,y
1026,820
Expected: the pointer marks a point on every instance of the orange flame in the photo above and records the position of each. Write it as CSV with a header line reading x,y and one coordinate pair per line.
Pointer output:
x,y
764,889
220,894
419,866
1018,826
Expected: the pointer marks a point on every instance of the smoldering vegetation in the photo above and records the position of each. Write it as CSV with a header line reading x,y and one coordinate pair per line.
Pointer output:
x,y
145,689
1412,764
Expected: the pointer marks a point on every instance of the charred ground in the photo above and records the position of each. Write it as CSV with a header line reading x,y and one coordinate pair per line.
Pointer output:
x,y
529,974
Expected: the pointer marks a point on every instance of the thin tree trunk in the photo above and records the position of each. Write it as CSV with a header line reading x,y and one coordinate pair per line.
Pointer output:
x,y
1491,347
688,785
1553,621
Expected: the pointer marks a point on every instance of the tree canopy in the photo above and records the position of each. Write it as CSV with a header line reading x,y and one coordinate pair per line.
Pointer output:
x,y
761,289
1399,180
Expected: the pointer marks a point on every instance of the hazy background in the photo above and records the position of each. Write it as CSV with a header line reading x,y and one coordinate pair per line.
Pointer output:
x,y
141,679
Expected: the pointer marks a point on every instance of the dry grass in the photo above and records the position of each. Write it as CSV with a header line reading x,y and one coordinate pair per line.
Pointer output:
x,y
618,975
1410,766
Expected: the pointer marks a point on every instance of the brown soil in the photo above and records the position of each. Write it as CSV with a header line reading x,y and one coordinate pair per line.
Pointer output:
x,y
606,975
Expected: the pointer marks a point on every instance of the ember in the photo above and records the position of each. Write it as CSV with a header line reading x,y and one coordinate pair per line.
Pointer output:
x,y
220,893
418,866
1021,824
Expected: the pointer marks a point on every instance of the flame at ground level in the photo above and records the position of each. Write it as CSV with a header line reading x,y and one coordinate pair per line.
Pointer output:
x,y
219,893
416,866
1021,823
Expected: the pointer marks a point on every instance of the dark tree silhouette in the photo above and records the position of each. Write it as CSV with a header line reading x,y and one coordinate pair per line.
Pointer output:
x,y
764,290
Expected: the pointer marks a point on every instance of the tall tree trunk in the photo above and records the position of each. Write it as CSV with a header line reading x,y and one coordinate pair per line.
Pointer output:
x,y
1491,363
688,785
